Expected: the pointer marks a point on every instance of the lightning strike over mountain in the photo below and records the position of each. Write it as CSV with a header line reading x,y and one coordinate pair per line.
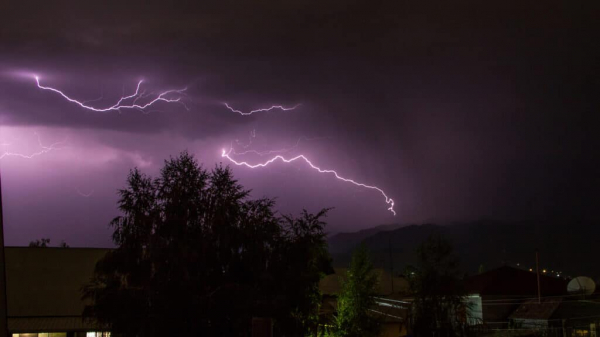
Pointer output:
x,y
135,97
226,154
274,107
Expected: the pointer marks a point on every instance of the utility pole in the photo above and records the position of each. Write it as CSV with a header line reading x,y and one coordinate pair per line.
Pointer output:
x,y
537,271
3,306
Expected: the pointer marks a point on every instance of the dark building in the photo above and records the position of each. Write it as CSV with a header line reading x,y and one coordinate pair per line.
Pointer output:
x,y
44,291
502,290
565,316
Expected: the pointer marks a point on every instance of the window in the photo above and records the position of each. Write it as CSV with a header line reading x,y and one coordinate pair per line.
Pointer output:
x,y
98,334
41,334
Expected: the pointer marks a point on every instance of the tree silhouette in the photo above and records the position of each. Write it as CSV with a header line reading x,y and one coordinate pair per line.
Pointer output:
x,y
439,306
196,256
356,298
42,243
304,261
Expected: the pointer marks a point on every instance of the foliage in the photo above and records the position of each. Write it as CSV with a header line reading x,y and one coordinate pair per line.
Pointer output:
x,y
305,261
196,256
42,243
439,307
63,245
356,298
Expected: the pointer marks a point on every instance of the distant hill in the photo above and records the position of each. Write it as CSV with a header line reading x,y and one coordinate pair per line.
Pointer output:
x,y
344,242
571,248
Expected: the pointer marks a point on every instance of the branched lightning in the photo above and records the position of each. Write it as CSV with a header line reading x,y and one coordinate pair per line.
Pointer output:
x,y
269,152
85,195
43,149
226,154
146,102
250,140
94,100
274,107
165,96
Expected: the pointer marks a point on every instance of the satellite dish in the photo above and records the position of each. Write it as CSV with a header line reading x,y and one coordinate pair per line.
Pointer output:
x,y
581,285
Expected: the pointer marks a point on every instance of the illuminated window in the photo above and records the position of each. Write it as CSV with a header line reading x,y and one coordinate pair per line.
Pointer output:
x,y
98,334
41,334
580,333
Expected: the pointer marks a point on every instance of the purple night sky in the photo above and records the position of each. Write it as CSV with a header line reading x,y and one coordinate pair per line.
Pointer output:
x,y
457,112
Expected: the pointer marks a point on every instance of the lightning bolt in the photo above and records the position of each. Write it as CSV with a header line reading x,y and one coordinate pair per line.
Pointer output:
x,y
134,98
85,195
175,96
388,200
43,149
250,140
274,107
265,153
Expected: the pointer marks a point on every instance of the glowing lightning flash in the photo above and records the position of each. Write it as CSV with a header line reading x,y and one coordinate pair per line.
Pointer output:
x,y
269,152
43,149
175,96
388,200
161,97
278,107
85,195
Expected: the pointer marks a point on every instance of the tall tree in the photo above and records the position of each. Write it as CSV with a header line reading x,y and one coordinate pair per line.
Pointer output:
x,y
439,308
196,256
305,261
356,298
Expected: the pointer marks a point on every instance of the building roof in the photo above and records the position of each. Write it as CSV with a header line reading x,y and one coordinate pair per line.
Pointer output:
x,y
557,308
390,310
571,308
50,324
509,281
46,282
531,309
332,284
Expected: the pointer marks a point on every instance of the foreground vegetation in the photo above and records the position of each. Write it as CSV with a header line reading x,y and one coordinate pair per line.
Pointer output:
x,y
196,256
